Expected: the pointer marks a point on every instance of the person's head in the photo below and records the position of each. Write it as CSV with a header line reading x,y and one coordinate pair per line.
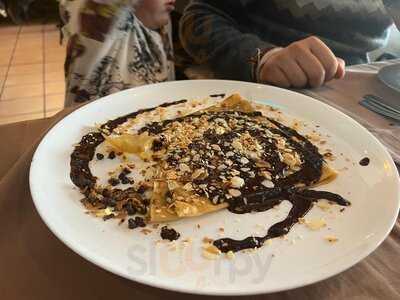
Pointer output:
x,y
154,13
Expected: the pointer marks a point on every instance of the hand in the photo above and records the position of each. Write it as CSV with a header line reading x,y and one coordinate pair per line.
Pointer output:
x,y
308,62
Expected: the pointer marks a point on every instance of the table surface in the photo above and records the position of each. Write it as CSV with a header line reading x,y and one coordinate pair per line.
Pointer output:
x,y
36,265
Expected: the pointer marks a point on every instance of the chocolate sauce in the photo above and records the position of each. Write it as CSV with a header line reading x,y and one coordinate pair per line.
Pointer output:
x,y
169,234
83,153
253,195
113,181
112,124
217,96
364,162
136,222
111,155
81,156
302,201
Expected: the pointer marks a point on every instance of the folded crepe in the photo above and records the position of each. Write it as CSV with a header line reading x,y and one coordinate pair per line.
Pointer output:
x,y
207,159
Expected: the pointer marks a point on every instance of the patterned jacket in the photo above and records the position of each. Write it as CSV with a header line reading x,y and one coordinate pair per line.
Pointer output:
x,y
110,50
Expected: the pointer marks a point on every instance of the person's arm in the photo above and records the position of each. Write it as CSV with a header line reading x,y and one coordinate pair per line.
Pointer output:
x,y
210,33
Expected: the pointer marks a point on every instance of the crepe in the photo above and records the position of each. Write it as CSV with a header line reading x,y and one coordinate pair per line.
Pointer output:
x,y
181,186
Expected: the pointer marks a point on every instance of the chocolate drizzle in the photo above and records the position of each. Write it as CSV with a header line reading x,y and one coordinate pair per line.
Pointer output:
x,y
309,173
169,234
253,196
83,153
302,201
217,96
364,162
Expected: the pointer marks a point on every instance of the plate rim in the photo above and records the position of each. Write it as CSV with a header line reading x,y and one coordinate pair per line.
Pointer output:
x,y
100,262
383,71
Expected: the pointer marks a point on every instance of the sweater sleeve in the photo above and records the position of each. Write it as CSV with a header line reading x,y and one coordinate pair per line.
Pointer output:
x,y
211,35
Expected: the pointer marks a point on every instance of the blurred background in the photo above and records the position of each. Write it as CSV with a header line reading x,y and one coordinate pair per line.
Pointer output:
x,y
32,58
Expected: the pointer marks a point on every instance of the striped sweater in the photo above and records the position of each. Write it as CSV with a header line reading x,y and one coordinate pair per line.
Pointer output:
x,y
226,33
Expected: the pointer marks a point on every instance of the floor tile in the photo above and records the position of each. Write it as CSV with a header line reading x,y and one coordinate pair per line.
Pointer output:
x,y
22,91
55,56
55,102
21,106
4,37
51,34
24,79
31,42
8,36
19,118
30,38
53,38
59,49
27,58
56,49
53,44
34,48
23,88
35,45
6,52
3,70
32,52
5,60
26,69
54,87
50,113
54,76
7,42
32,28
50,28
52,41
54,67
9,30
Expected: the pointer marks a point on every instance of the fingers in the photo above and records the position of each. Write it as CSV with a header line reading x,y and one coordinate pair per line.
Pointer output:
x,y
310,65
275,76
306,62
341,70
293,72
324,55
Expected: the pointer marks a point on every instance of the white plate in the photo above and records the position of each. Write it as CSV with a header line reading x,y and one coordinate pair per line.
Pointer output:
x,y
303,258
390,76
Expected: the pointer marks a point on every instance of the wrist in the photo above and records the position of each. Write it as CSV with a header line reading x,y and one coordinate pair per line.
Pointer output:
x,y
263,60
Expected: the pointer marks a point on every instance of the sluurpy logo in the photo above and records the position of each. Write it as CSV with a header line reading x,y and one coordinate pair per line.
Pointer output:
x,y
181,262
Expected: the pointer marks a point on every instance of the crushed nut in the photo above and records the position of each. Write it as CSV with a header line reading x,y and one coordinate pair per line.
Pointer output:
x,y
230,255
244,160
234,192
207,240
315,224
145,231
324,205
237,182
200,174
184,167
210,251
268,184
331,238
216,147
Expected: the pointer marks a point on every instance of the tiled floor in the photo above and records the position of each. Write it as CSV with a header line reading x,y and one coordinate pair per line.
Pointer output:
x,y
31,72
